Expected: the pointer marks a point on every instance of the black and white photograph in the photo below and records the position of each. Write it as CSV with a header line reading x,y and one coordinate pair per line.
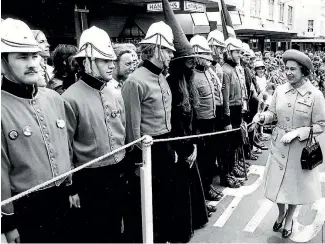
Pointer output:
x,y
162,121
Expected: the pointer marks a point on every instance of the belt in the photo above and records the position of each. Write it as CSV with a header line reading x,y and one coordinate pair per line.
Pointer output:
x,y
286,128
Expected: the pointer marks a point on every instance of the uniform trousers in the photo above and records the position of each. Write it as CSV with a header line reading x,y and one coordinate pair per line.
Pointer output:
x,y
42,216
102,194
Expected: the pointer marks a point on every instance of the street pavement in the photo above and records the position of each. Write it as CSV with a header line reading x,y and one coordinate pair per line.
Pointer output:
x,y
244,215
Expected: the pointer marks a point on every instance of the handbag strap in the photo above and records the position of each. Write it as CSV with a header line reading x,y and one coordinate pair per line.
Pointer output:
x,y
311,133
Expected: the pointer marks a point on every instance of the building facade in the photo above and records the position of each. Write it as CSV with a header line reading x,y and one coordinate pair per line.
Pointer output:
x,y
267,24
309,23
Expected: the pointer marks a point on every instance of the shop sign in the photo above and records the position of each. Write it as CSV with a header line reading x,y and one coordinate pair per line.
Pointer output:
x,y
157,7
194,7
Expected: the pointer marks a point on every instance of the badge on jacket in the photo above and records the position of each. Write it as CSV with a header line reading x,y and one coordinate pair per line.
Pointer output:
x,y
60,123
27,131
13,135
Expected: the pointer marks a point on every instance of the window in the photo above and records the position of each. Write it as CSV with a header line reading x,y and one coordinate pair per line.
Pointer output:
x,y
255,8
271,9
310,26
281,16
290,10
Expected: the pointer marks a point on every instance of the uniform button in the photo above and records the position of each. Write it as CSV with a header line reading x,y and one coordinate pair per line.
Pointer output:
x,y
287,118
289,104
55,174
52,159
41,118
112,147
283,156
51,150
44,126
293,91
47,135
33,102
281,168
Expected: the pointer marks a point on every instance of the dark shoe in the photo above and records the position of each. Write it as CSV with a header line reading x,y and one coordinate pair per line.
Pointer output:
x,y
209,214
287,233
213,196
277,226
211,208
260,145
229,181
216,190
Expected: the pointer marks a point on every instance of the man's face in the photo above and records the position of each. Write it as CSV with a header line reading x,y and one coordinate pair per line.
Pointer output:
x,y
267,55
167,55
26,66
43,44
135,59
125,65
104,68
236,56
245,57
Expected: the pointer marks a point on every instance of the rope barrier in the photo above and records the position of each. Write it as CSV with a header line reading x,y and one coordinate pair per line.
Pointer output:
x,y
200,135
35,188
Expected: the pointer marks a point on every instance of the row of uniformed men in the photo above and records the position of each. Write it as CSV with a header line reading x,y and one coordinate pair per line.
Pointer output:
x,y
39,127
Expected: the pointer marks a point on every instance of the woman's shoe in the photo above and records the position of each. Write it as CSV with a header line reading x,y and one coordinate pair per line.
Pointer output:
x,y
260,145
277,226
287,233
256,150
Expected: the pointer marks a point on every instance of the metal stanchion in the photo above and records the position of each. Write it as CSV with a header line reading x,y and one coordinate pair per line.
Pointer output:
x,y
146,191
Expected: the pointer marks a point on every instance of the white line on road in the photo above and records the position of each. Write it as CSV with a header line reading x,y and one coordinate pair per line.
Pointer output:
x,y
259,216
228,212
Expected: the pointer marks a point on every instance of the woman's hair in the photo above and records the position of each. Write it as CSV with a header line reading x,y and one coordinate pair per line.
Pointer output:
x,y
147,51
188,94
120,49
61,55
304,70
36,33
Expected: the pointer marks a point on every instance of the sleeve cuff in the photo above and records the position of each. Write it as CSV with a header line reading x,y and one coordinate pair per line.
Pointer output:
x,y
8,223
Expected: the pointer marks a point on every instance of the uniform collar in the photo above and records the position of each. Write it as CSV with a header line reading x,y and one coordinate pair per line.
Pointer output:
x,y
151,67
302,90
19,90
93,82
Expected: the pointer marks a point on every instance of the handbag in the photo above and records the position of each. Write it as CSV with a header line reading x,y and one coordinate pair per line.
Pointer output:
x,y
311,155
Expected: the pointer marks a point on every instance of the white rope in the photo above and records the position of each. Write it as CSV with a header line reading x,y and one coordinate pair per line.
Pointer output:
x,y
200,135
35,188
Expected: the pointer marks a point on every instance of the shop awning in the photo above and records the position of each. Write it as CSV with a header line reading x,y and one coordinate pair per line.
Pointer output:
x,y
191,23
319,40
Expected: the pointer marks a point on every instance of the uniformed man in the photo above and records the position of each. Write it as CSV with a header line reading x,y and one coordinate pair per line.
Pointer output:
x,y
147,98
96,126
208,113
235,98
217,44
34,143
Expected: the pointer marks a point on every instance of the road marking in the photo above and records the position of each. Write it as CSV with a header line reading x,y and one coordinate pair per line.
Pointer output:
x,y
259,215
302,233
239,193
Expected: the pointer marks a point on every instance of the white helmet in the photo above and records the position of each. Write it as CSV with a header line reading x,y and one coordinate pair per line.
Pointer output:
x,y
17,37
216,38
259,63
246,49
95,43
233,44
200,44
161,34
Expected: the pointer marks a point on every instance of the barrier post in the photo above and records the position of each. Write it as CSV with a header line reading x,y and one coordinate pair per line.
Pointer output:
x,y
146,191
